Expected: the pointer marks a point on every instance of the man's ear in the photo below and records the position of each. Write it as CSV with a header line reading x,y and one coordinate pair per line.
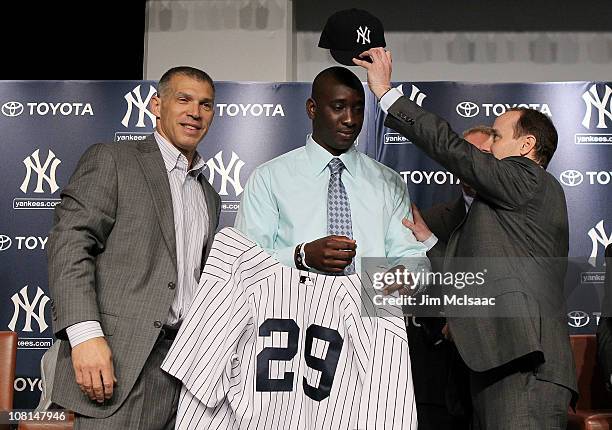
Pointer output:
x,y
311,108
155,106
528,144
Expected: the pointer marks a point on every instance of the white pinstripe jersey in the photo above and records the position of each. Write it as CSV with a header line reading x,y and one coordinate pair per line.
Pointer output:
x,y
265,346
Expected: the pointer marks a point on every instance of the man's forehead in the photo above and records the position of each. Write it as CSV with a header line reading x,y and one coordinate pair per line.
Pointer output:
x,y
509,117
183,82
195,91
342,92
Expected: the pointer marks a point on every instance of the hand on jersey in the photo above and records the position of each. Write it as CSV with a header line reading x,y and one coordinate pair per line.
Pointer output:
x,y
93,368
330,254
417,226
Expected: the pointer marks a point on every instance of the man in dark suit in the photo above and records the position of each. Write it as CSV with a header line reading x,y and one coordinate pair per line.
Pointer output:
x,y
522,371
130,238
604,330
442,391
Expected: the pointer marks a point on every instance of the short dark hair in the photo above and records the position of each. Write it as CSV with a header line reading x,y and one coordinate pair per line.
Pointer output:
x,y
542,128
341,75
192,72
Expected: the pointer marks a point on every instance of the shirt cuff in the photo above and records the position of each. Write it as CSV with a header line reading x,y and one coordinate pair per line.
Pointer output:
x,y
80,332
430,242
285,256
389,98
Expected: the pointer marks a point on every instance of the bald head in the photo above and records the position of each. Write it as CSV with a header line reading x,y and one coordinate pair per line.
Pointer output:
x,y
480,136
333,76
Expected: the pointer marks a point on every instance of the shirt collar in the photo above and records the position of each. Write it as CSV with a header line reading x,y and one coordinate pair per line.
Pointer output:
x,y
173,158
467,200
319,157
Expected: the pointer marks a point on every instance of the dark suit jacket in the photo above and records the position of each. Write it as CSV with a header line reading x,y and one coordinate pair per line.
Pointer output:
x,y
442,219
604,330
441,383
112,258
517,226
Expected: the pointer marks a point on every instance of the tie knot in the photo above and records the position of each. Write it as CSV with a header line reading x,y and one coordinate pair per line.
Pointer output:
x,y
336,166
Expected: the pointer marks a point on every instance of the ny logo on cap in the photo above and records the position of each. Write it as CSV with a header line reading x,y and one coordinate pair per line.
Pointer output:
x,y
363,34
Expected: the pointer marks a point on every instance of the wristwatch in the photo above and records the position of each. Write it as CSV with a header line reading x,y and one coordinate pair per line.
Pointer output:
x,y
299,257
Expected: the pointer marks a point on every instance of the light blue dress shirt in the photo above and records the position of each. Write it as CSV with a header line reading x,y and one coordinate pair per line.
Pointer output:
x,y
284,203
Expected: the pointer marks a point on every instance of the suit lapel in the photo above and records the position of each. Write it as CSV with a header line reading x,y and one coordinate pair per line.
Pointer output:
x,y
154,171
455,212
211,208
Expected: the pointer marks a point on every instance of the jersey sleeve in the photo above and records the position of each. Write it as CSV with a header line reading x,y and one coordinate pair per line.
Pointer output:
x,y
203,354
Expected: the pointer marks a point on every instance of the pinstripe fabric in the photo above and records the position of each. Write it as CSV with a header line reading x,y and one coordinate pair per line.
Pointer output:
x,y
80,332
221,352
112,258
512,391
190,223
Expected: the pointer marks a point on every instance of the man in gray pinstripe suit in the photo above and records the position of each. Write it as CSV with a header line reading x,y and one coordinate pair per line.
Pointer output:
x,y
128,244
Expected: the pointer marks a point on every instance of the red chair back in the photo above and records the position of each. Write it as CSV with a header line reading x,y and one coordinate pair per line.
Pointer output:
x,y
591,382
8,359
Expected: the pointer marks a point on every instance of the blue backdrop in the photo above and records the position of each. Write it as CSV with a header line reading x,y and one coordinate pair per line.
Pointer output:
x,y
46,126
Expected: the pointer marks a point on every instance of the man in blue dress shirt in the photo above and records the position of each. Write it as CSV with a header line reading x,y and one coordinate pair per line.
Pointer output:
x,y
325,205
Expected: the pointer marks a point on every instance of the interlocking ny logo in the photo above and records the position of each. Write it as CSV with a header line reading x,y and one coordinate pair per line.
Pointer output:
x,y
604,106
28,307
134,98
415,94
363,34
216,165
50,165
598,236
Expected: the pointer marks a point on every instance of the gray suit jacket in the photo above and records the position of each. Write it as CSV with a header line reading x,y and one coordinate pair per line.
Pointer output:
x,y
442,219
112,258
518,226
443,384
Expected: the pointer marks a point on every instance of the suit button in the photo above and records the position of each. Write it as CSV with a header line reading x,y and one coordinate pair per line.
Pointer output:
x,y
157,324
411,121
171,285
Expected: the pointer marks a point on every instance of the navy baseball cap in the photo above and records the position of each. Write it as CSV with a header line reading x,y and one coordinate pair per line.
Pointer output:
x,y
347,33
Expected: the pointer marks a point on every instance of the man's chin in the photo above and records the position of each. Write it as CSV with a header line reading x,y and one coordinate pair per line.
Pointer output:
x,y
344,145
190,141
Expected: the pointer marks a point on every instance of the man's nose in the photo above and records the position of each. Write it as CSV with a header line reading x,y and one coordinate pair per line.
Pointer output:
x,y
194,110
349,118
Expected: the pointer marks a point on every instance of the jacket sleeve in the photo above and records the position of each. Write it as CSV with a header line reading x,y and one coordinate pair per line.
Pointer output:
x,y
83,221
507,183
